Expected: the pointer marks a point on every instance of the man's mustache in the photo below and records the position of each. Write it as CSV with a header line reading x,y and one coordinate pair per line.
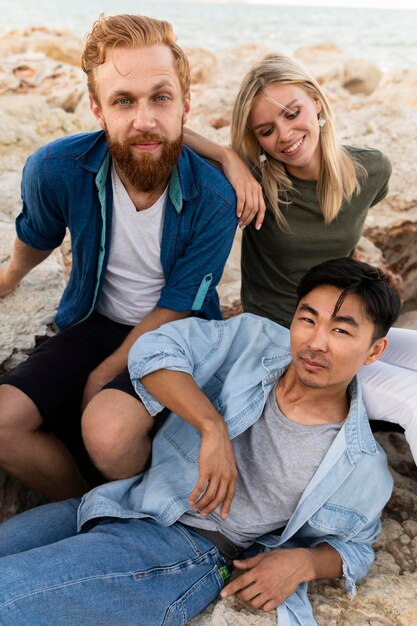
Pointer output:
x,y
145,138
314,357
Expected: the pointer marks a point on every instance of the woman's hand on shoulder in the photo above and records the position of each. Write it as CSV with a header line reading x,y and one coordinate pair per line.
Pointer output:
x,y
250,200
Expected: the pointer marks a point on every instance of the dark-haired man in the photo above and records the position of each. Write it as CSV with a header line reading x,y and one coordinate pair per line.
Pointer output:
x,y
151,227
145,554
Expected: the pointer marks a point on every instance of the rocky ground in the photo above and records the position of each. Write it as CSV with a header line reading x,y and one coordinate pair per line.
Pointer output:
x,y
42,97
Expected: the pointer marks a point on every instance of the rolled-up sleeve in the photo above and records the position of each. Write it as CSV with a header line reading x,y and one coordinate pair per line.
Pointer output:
x,y
40,223
357,554
179,346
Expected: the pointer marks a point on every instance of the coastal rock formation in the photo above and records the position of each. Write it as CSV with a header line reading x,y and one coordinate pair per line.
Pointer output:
x,y
35,73
56,44
42,97
27,314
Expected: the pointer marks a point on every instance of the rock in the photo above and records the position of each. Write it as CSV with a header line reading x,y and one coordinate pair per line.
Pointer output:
x,y
361,76
34,73
367,252
203,64
10,201
407,320
396,235
15,498
27,313
56,44
29,121
220,122
83,114
232,612
325,62
397,87
15,135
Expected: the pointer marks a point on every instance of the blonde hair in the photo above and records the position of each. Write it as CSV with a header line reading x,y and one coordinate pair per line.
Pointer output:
x,y
338,178
130,31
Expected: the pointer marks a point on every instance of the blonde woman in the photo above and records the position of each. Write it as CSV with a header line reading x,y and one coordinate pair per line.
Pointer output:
x,y
317,194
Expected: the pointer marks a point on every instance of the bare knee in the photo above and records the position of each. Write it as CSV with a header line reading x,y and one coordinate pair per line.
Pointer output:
x,y
19,418
115,428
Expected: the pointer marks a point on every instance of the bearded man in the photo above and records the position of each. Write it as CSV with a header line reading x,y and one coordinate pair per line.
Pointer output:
x,y
151,227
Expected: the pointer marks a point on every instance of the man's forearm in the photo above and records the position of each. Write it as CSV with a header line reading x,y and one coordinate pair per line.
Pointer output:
x,y
179,393
117,361
217,467
22,259
323,561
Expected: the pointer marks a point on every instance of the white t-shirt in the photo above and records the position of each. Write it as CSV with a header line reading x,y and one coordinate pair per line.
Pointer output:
x,y
134,276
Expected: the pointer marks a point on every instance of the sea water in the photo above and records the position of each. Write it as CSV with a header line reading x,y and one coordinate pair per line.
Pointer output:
x,y
386,37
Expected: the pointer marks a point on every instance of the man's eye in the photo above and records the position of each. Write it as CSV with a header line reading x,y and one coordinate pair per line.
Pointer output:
x,y
341,331
308,320
123,101
162,98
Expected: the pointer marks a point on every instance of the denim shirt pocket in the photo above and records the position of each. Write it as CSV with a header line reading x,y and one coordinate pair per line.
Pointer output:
x,y
185,438
212,389
335,519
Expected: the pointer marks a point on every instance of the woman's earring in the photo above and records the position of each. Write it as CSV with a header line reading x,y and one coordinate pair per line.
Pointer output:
x,y
322,122
262,159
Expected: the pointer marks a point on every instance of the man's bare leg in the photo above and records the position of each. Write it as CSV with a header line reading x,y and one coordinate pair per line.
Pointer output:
x,y
37,459
115,429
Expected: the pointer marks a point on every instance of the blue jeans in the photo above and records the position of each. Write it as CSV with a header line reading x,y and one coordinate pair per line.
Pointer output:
x,y
119,573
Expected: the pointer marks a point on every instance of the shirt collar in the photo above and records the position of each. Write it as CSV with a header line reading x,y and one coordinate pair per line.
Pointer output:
x,y
359,437
181,185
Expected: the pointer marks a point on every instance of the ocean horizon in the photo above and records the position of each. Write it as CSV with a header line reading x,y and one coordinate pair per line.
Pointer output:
x,y
383,36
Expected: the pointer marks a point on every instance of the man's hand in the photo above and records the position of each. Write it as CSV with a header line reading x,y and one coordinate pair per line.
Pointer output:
x,y
216,483
270,577
117,362
99,377
217,473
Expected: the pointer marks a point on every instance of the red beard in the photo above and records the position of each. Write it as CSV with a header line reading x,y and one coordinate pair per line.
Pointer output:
x,y
146,172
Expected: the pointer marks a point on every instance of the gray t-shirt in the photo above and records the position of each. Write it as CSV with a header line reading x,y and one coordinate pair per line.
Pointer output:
x,y
276,459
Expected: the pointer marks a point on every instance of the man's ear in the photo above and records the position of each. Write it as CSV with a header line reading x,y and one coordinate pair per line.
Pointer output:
x,y
96,111
376,350
186,108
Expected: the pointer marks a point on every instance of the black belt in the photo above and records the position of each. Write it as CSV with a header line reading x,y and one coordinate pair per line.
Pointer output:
x,y
227,548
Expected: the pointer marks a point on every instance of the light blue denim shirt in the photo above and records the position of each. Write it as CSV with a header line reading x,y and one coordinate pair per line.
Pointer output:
x,y
236,363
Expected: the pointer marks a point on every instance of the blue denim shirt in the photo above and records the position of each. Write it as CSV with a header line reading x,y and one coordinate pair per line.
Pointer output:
x,y
236,363
67,183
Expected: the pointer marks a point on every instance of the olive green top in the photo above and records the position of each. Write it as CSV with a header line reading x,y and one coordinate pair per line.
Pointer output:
x,y
274,261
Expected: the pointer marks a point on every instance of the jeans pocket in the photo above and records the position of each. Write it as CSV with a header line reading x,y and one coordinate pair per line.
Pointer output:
x,y
195,599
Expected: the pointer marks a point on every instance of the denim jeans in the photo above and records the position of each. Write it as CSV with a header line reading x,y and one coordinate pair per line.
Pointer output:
x,y
118,573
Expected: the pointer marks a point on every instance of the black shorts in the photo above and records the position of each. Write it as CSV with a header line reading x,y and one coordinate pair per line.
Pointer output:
x,y
55,374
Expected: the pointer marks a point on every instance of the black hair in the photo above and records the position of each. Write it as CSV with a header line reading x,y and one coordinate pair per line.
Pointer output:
x,y
382,301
